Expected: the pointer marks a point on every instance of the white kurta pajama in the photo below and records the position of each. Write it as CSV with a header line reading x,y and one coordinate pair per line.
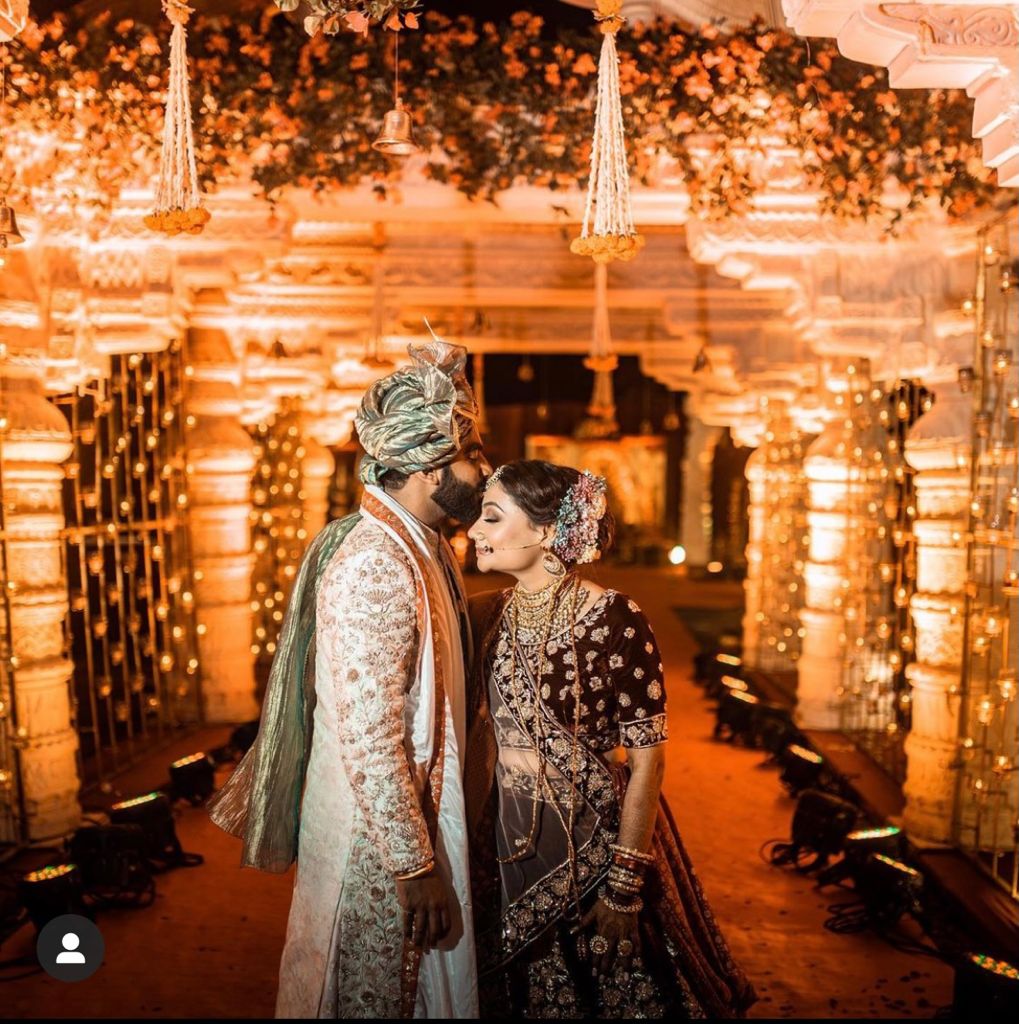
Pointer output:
x,y
365,803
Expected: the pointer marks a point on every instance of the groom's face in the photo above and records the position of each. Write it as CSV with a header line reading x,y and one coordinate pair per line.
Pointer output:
x,y
462,482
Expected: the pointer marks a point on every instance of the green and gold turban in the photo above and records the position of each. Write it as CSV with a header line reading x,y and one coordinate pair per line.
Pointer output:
x,y
417,418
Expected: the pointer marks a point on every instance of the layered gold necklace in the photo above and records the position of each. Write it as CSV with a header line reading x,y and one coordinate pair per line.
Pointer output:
x,y
538,615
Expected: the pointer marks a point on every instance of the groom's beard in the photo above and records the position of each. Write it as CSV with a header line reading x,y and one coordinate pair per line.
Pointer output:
x,y
457,499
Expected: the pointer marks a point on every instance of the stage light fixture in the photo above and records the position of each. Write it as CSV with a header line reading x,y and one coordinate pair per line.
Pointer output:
x,y
773,727
710,666
153,814
801,768
985,989
734,715
112,860
889,888
820,825
52,891
192,778
719,685
859,845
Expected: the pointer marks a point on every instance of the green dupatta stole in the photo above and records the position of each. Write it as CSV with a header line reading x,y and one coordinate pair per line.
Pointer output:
x,y
261,801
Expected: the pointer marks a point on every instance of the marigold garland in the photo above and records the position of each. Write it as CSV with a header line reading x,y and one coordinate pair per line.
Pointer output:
x,y
608,232
178,200
496,105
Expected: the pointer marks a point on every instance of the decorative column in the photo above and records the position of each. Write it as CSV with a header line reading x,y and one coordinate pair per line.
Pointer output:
x,y
39,782
829,520
777,512
221,461
695,522
939,449
757,483
317,468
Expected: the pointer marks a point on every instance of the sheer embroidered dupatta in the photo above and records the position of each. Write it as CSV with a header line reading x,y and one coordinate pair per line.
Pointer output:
x,y
538,888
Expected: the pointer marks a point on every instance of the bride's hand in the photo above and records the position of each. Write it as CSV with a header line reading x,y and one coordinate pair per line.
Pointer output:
x,y
619,931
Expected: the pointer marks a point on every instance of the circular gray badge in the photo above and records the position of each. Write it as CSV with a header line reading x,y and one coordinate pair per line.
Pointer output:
x,y
70,948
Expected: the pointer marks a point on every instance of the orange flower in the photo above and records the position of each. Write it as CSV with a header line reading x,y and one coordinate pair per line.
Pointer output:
x,y
356,22
584,65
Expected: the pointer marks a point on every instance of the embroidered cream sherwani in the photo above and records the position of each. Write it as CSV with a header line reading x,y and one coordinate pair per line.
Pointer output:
x,y
389,732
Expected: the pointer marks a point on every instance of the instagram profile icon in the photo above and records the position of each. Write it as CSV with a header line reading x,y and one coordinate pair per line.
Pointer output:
x,y
70,948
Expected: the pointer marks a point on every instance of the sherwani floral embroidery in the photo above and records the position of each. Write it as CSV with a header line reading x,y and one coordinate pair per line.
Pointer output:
x,y
390,688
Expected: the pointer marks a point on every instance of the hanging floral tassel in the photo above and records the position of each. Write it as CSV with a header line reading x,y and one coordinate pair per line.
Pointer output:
x,y
608,233
601,410
178,201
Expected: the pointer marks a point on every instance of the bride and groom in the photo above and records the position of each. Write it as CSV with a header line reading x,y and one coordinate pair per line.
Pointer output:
x,y
470,789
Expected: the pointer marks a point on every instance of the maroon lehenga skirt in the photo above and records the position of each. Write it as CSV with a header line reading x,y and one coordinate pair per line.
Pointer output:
x,y
537,868
684,969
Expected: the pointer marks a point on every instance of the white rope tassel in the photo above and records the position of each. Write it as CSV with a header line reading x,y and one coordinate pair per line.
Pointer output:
x,y
608,231
608,193
178,199
602,360
601,329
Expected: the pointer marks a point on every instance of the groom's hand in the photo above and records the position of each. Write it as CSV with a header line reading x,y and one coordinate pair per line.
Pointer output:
x,y
426,918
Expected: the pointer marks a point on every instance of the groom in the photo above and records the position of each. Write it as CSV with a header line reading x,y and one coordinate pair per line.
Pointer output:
x,y
366,712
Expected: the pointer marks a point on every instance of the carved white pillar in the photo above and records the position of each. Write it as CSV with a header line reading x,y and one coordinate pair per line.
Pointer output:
x,y
756,472
938,448
829,520
221,460
35,441
695,524
317,467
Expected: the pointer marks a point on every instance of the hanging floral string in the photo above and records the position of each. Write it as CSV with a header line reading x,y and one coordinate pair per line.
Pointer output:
x,y
602,361
178,200
607,232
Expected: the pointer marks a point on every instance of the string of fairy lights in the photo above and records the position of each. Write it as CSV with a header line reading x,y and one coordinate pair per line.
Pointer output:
x,y
278,531
12,813
131,629
784,544
987,811
875,700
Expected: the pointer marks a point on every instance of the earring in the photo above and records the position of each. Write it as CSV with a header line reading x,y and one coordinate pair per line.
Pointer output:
x,y
552,565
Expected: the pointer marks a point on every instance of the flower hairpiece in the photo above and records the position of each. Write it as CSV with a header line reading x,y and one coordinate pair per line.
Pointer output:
x,y
581,510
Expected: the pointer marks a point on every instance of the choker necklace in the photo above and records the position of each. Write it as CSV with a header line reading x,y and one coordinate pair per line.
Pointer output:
x,y
536,611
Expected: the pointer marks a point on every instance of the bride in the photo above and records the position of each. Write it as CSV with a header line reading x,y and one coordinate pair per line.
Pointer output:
x,y
599,911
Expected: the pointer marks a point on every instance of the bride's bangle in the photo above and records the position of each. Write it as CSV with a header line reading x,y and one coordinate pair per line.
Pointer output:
x,y
417,873
633,907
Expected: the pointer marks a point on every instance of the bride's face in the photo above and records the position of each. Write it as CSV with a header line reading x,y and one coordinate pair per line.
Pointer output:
x,y
505,539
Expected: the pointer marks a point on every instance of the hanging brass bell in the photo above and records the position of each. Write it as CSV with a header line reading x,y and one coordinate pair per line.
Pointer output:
x,y
9,233
395,139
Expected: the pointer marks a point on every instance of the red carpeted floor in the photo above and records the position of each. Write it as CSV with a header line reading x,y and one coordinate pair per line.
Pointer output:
x,y
209,947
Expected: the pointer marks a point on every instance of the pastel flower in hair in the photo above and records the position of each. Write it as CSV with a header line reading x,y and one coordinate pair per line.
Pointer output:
x,y
582,509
